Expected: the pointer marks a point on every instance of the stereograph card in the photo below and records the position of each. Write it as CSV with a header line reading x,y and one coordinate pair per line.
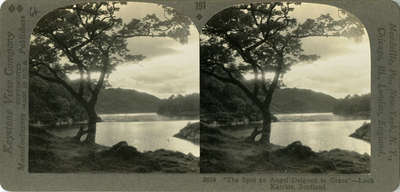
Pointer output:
x,y
200,95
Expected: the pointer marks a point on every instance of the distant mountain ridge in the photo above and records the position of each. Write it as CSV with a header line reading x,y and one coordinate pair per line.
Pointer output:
x,y
225,102
295,100
118,100
354,105
286,100
178,105
52,104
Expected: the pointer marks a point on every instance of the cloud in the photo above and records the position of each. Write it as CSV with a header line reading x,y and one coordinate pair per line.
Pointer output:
x,y
347,73
333,46
147,46
152,47
323,46
344,66
169,67
173,68
155,47
164,75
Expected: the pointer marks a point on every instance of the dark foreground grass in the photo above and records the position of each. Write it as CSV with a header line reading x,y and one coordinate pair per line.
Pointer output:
x,y
222,153
51,154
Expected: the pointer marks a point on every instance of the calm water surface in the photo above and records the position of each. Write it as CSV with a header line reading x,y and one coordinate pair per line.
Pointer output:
x,y
149,132
320,131
145,131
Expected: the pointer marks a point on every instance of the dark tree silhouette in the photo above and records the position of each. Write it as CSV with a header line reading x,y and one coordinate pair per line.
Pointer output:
x,y
89,38
263,40
50,103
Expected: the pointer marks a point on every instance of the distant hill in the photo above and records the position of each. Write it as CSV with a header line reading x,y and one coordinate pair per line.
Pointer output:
x,y
179,105
225,101
50,103
287,100
294,100
117,100
354,105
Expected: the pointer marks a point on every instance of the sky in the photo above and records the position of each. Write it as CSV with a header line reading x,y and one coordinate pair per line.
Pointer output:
x,y
173,68
344,66
169,67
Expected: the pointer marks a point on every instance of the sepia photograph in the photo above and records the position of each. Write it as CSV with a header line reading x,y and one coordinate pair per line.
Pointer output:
x,y
199,95
114,87
285,88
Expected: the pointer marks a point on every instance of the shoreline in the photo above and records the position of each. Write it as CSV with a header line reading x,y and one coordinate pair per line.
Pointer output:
x,y
222,153
191,132
363,132
51,154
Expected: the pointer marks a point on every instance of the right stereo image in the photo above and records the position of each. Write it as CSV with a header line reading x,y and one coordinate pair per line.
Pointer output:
x,y
285,88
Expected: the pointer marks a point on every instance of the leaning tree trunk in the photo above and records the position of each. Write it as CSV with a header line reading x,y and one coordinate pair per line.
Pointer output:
x,y
91,131
266,129
253,135
81,132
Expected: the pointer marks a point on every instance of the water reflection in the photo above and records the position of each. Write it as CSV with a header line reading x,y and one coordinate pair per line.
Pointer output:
x,y
145,131
136,117
146,136
320,131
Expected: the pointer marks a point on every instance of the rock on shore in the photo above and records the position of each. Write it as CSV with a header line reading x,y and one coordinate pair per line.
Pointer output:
x,y
363,133
190,132
52,154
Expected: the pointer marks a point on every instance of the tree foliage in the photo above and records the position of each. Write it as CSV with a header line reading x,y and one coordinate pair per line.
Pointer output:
x,y
224,103
355,105
50,103
179,105
89,38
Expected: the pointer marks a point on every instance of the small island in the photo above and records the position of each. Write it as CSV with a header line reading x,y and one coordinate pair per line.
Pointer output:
x,y
356,107
190,132
363,133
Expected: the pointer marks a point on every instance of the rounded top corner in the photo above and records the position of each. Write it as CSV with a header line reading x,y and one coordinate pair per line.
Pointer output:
x,y
2,7
3,188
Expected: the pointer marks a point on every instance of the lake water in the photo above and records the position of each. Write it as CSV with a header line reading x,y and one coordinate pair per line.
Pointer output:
x,y
320,131
145,131
149,132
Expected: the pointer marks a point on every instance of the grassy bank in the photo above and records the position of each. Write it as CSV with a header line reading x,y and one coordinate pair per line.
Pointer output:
x,y
52,154
222,153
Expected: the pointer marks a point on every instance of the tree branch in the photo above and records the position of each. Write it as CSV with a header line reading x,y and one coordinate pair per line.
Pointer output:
x,y
274,84
89,81
81,90
60,81
236,82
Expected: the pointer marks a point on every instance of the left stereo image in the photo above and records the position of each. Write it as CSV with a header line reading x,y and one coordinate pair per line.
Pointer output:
x,y
114,87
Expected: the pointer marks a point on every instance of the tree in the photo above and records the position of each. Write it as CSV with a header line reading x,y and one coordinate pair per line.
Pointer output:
x,y
356,105
50,103
179,105
89,39
263,39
